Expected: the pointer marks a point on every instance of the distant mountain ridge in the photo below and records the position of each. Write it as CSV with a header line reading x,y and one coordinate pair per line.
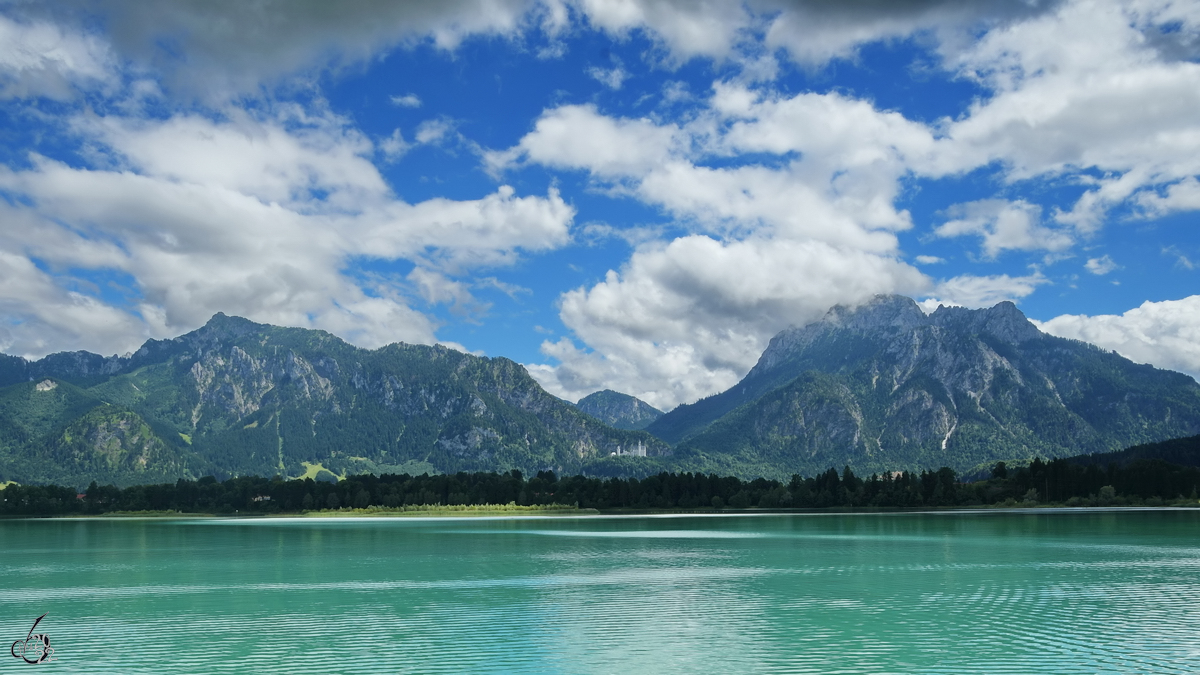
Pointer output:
x,y
236,397
619,410
884,386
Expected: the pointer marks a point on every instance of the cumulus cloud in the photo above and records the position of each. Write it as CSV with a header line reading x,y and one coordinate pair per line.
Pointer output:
x,y
1181,196
684,30
981,291
579,137
1003,225
394,147
1101,266
1165,334
254,216
1070,93
612,78
840,187
771,245
434,131
1066,87
250,156
685,319
810,32
41,315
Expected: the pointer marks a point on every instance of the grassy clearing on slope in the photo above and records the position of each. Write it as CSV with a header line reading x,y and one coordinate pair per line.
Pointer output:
x,y
312,470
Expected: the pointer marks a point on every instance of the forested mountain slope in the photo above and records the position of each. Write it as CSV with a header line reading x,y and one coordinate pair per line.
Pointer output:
x,y
237,398
886,387
619,410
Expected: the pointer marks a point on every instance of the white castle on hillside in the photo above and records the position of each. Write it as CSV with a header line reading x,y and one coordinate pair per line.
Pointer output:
x,y
638,450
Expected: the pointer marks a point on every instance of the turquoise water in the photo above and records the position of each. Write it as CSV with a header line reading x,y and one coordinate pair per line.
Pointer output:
x,y
1045,592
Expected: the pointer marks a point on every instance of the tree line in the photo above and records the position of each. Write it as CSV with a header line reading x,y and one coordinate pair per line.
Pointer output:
x,y
1059,481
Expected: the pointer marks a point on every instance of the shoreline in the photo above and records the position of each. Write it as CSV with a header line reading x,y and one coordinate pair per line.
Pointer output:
x,y
503,511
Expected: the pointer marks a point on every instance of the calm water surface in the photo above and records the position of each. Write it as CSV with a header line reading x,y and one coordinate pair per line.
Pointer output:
x,y
1027,593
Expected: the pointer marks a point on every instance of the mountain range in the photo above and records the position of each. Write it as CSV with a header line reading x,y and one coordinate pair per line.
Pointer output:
x,y
236,398
884,386
880,387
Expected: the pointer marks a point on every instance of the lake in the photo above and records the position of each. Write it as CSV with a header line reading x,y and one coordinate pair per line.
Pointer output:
x,y
980,592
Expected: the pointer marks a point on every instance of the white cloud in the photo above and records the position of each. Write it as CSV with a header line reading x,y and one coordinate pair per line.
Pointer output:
x,y
1181,196
456,236
684,29
1082,88
774,244
675,92
1165,334
689,318
981,291
1003,225
434,131
811,32
578,137
840,189
1067,90
41,315
394,147
248,217
612,78
929,260
406,101
1101,266
279,160
436,288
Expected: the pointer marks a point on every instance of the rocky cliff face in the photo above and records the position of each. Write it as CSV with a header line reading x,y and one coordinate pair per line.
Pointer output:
x,y
884,386
619,410
235,397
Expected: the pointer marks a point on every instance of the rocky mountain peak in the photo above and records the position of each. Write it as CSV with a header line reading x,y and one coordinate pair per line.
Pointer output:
x,y
881,386
1003,321
223,326
881,311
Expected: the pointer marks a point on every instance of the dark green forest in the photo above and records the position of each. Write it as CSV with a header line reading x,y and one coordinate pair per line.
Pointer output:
x,y
1148,482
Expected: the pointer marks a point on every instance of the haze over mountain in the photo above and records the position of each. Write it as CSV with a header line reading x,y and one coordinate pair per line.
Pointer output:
x,y
884,386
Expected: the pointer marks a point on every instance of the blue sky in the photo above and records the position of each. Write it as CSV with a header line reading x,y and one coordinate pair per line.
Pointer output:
x,y
617,194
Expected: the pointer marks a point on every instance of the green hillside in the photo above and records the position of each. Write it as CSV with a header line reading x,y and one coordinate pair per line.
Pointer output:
x,y
239,398
885,388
